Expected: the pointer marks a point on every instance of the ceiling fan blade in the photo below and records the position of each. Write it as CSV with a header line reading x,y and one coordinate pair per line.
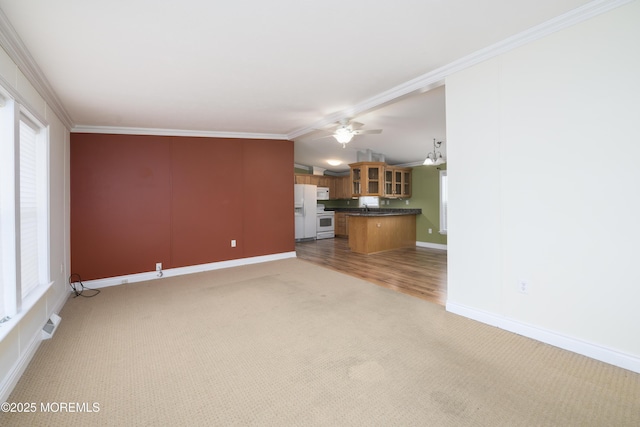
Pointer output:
x,y
322,133
323,136
364,131
345,126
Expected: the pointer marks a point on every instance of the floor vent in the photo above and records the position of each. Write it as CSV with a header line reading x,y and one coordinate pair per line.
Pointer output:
x,y
50,327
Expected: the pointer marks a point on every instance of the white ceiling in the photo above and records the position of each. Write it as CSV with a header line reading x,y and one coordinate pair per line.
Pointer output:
x,y
279,68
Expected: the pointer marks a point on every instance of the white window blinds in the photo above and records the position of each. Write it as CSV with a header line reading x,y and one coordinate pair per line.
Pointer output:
x,y
29,206
3,310
443,201
24,208
7,209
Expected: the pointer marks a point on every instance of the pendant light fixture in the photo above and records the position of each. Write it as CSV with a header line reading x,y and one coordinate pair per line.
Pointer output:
x,y
435,158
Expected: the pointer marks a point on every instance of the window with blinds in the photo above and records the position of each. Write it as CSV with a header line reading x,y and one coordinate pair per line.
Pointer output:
x,y
30,205
8,143
24,207
443,202
3,310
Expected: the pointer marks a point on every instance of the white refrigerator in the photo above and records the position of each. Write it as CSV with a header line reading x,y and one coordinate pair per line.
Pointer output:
x,y
304,207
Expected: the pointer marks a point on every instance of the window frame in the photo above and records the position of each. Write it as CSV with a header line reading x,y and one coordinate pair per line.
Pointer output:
x,y
13,305
41,164
444,201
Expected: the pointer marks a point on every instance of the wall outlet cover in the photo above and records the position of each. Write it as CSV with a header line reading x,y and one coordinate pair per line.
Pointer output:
x,y
523,286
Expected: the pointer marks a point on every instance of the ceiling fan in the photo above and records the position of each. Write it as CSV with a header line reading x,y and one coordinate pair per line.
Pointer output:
x,y
346,130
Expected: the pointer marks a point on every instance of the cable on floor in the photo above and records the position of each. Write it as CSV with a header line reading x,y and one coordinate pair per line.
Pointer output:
x,y
75,281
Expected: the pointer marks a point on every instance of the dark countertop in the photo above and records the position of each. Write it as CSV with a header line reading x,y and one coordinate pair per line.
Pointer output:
x,y
376,211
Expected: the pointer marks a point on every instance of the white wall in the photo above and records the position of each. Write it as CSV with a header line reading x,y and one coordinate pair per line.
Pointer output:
x,y
544,185
19,345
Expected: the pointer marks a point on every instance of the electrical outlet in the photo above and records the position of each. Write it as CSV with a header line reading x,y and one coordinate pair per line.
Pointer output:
x,y
233,243
523,287
406,202
158,266
430,230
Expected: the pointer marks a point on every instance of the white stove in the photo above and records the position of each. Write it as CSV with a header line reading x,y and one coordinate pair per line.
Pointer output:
x,y
325,223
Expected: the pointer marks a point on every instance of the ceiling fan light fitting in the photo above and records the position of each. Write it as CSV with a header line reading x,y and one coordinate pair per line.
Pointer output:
x,y
343,135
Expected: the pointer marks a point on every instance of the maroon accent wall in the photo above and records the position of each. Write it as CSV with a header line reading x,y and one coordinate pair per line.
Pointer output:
x,y
266,217
138,200
120,200
206,208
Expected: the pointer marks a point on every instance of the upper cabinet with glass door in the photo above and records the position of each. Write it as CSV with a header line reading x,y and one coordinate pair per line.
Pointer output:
x,y
367,179
397,182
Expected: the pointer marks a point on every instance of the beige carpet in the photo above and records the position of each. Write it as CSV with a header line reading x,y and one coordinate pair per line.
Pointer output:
x,y
288,343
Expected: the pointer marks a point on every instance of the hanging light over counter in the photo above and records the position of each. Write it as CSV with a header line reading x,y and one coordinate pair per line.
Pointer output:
x,y
435,157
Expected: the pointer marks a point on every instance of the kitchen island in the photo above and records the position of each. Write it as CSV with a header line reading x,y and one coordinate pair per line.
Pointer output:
x,y
382,229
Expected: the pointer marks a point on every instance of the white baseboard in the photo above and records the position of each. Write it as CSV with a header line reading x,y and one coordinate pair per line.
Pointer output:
x,y
431,245
171,272
594,351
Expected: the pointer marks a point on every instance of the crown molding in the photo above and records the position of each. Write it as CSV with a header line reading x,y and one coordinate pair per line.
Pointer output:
x,y
437,77
17,51
411,164
174,132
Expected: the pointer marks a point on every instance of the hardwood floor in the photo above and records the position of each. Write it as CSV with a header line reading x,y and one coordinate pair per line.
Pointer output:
x,y
420,272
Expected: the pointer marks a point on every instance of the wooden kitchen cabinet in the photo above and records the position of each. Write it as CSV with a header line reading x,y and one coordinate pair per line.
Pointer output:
x,y
342,224
371,234
406,184
346,187
341,187
367,179
397,182
333,189
317,180
324,181
302,178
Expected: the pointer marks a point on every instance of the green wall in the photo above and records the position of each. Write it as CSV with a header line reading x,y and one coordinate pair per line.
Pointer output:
x,y
425,195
